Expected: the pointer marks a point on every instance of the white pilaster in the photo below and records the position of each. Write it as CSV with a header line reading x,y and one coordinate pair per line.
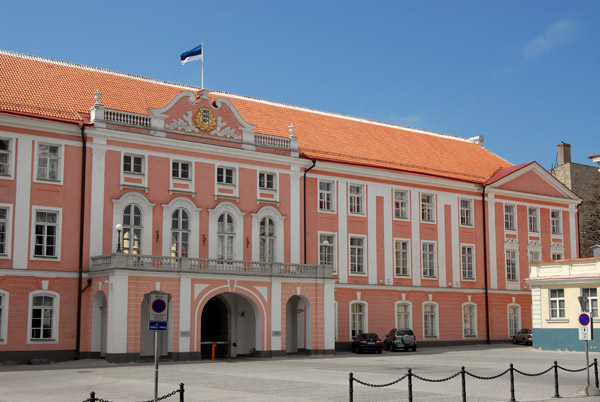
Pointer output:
x,y
116,342
491,208
22,204
342,231
372,234
97,199
454,226
329,315
295,228
388,242
415,220
441,243
536,307
276,314
573,231
185,301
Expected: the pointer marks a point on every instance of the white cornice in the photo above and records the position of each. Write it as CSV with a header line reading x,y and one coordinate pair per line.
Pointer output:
x,y
528,197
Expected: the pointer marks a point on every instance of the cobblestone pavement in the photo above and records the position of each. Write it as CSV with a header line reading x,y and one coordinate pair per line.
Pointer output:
x,y
309,378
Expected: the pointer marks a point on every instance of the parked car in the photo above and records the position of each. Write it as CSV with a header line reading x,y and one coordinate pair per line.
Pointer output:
x,y
367,342
523,336
400,338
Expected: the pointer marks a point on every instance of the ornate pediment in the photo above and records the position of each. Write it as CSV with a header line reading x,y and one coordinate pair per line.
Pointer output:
x,y
511,243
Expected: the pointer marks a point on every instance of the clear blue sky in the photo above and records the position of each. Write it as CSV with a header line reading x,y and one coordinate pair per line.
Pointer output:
x,y
524,74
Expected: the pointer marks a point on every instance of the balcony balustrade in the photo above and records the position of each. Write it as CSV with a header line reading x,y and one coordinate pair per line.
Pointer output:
x,y
207,266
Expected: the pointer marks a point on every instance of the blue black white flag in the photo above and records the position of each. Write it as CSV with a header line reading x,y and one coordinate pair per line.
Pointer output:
x,y
192,55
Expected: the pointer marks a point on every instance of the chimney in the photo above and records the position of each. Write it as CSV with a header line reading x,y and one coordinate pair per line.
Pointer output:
x,y
564,153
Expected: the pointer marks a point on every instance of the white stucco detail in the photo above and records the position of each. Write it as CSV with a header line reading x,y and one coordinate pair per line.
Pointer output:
x,y
198,288
146,210
22,204
264,291
415,219
238,221
278,219
117,311
97,200
194,225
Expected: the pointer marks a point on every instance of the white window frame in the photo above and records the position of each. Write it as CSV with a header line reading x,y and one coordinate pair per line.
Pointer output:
x,y
466,213
516,265
10,158
401,205
408,259
434,260
557,255
363,247
179,164
536,254
408,313
265,186
513,217
8,228
356,202
555,306
55,317
268,253
60,167
556,222
473,333
58,211
364,315
533,220
428,208
224,176
132,164
134,197
4,304
331,245
593,306
473,267
326,196
238,219
194,215
436,321
181,233
510,319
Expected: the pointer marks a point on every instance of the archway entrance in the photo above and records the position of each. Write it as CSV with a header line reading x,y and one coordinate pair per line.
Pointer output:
x,y
298,325
99,324
232,323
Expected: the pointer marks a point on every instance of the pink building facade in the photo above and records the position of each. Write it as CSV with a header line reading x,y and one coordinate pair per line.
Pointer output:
x,y
271,239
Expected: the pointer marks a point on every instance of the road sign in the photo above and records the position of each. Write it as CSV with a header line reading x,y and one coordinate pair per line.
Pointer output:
x,y
586,327
158,313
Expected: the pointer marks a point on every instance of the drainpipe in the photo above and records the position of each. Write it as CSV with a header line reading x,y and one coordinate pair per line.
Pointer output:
x,y
314,162
81,233
485,269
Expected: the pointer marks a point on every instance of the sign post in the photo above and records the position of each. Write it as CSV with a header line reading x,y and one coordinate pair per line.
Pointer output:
x,y
586,333
158,319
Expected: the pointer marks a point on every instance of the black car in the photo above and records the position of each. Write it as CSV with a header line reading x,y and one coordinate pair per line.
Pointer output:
x,y
523,336
400,338
367,342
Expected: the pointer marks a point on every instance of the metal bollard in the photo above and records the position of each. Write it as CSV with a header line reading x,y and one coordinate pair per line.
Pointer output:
x,y
410,396
181,391
351,379
464,384
596,371
92,396
512,383
556,394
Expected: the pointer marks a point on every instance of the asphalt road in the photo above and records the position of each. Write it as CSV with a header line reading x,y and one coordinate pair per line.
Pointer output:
x,y
302,378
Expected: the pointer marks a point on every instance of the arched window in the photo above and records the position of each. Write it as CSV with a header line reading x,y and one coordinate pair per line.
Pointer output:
x,y
226,236
267,239
180,233
132,229
403,315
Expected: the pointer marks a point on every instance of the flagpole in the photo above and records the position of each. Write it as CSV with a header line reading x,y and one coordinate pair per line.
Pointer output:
x,y
202,64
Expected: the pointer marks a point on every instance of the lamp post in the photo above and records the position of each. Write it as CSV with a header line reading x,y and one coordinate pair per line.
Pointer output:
x,y
119,227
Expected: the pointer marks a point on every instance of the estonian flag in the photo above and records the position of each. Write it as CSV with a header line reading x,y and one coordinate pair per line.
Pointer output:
x,y
192,55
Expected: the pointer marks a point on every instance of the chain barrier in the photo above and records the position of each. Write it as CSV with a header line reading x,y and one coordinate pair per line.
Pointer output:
x,y
180,391
463,373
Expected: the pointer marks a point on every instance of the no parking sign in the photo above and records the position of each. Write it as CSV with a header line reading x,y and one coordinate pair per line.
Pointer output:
x,y
158,311
586,327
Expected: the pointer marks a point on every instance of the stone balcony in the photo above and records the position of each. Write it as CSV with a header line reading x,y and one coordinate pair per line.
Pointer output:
x,y
144,263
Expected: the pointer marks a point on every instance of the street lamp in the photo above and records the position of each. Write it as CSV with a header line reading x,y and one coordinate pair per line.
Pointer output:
x,y
119,227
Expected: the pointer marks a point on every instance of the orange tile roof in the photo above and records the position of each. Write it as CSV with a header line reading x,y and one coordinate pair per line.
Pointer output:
x,y
54,89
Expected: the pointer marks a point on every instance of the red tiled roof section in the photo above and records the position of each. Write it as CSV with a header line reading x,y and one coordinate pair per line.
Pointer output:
x,y
59,90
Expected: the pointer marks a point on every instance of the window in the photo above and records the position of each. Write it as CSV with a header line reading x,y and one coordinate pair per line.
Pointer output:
x,y
468,271
3,315
132,229
357,255
466,212
534,256
180,233
591,305
46,232
326,196
514,319
42,317
403,315
557,256
133,164
326,250
427,214
266,181
5,156
400,204
533,219
511,265
180,170
429,270
555,222
226,175
357,319
3,231
469,320
267,240
48,167
225,236
509,217
356,199
401,257
557,303
430,321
